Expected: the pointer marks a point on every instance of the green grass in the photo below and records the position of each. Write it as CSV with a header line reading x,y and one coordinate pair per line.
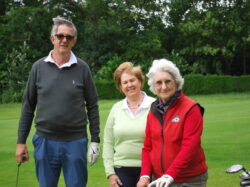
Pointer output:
x,y
225,141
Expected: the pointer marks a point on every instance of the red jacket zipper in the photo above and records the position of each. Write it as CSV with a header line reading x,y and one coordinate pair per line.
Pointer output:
x,y
162,150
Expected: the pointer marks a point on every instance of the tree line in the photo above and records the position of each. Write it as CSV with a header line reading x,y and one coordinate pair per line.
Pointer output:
x,y
200,36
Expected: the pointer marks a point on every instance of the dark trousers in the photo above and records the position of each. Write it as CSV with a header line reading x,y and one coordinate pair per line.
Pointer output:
x,y
129,176
199,181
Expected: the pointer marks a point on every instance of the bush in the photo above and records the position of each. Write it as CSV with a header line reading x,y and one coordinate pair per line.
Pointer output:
x,y
194,84
13,83
106,72
200,84
210,84
106,90
243,83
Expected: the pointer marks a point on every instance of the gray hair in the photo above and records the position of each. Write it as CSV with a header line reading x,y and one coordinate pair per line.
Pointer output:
x,y
164,65
62,21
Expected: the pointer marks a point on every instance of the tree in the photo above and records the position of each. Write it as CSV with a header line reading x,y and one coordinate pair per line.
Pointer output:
x,y
210,34
17,73
209,37
125,29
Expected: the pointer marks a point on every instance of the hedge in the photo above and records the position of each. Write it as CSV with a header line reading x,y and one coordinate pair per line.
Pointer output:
x,y
194,84
106,90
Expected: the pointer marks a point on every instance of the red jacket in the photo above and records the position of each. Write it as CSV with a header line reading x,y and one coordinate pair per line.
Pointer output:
x,y
173,142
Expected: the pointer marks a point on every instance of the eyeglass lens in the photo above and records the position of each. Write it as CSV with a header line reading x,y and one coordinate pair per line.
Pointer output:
x,y
166,82
61,37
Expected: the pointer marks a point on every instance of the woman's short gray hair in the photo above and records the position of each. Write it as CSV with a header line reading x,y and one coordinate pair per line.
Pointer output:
x,y
62,21
164,65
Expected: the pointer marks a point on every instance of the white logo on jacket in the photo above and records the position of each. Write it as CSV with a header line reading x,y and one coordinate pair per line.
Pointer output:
x,y
176,119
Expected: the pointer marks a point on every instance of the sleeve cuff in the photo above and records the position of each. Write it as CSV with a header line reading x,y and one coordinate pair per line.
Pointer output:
x,y
145,176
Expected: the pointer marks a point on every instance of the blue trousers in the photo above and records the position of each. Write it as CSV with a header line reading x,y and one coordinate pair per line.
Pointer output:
x,y
52,156
129,176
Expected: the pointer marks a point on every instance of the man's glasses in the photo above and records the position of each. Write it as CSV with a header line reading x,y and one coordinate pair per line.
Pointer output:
x,y
61,37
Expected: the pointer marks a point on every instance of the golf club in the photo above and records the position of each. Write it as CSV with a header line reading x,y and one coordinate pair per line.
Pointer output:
x,y
245,175
18,166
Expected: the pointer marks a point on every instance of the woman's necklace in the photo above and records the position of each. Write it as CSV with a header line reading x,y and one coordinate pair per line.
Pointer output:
x,y
136,105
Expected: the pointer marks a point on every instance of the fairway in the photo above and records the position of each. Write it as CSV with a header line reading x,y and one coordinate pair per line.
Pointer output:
x,y
226,141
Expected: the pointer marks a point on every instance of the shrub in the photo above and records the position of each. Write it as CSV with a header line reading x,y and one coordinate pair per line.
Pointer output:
x,y
243,83
13,83
106,90
106,72
210,84
194,84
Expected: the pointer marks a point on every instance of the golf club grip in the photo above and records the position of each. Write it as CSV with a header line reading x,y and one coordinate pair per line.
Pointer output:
x,y
23,158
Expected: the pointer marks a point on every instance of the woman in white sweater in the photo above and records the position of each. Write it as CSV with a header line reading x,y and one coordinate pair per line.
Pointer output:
x,y
125,128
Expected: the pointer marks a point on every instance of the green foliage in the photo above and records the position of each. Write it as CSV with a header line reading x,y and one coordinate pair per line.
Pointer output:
x,y
21,25
120,31
212,36
107,90
26,24
106,72
210,84
201,37
243,83
19,65
180,62
194,84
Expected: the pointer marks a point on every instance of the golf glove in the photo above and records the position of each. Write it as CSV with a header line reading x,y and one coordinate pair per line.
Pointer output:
x,y
93,152
163,181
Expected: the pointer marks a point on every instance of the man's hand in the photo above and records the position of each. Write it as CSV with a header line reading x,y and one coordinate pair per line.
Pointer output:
x,y
143,182
21,153
93,152
163,181
114,181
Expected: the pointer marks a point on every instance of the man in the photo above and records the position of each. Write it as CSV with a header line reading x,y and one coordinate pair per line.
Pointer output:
x,y
60,88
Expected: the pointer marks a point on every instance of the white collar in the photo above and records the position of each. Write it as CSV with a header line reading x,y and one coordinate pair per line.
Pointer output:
x,y
72,60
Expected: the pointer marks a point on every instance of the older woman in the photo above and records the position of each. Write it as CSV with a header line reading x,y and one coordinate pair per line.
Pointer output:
x,y
172,149
125,128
